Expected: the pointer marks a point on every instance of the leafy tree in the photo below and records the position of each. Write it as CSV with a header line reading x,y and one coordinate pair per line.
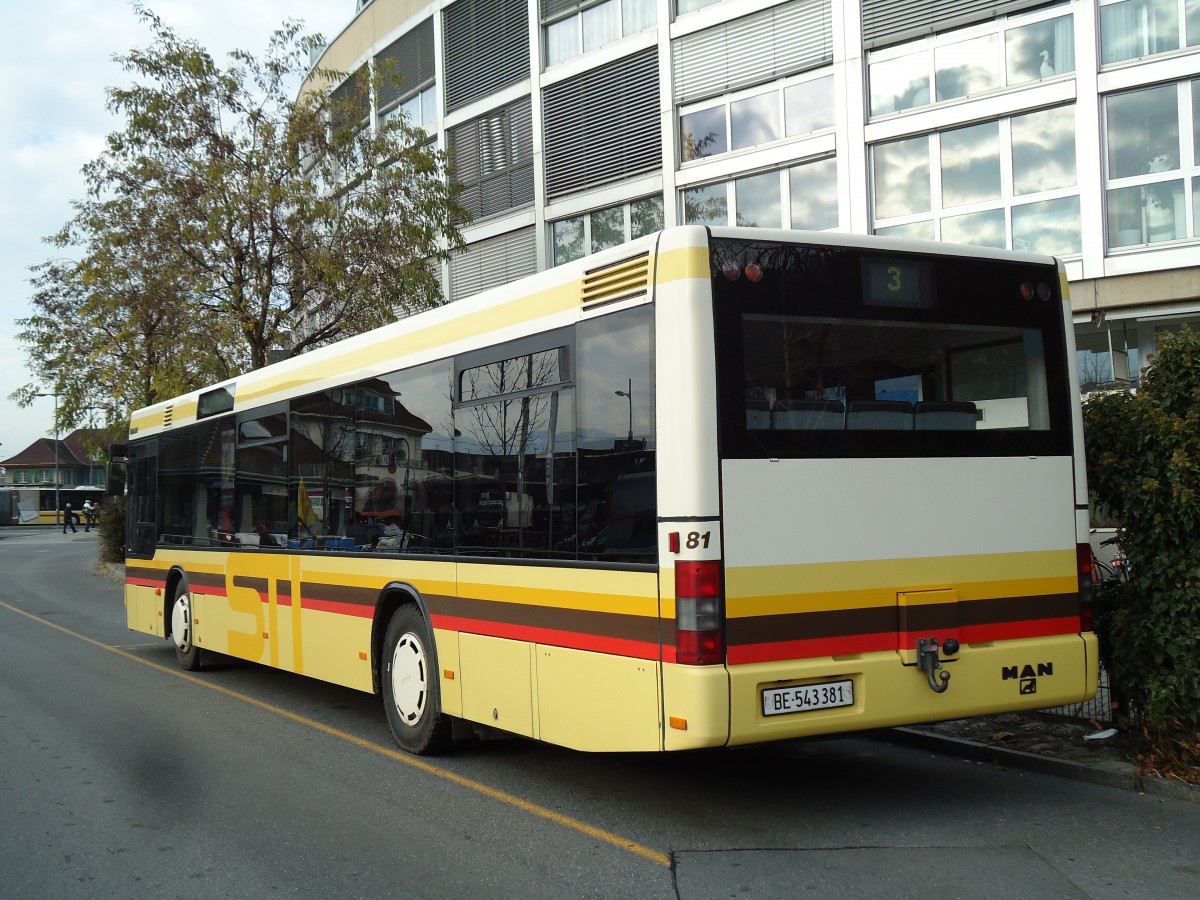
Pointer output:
x,y
229,219
1143,455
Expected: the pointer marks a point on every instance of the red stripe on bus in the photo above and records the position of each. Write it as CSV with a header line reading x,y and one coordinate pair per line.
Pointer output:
x,y
867,643
356,610
781,650
1007,631
147,582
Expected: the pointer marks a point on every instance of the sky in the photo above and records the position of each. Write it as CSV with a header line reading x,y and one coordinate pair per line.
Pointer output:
x,y
55,66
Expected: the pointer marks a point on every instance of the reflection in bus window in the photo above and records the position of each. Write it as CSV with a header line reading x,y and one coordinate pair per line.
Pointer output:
x,y
403,486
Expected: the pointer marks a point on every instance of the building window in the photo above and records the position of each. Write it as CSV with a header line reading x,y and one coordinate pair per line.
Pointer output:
x,y
1151,155
757,201
572,27
1004,183
494,155
486,48
888,22
577,236
419,109
406,70
350,102
804,197
603,125
1131,29
750,119
1009,52
756,49
687,6
1106,359
493,261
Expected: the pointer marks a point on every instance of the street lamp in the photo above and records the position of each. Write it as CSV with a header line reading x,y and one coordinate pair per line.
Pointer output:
x,y
57,507
628,395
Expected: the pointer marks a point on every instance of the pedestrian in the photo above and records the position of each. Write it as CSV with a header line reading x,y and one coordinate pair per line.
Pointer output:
x,y
68,519
89,515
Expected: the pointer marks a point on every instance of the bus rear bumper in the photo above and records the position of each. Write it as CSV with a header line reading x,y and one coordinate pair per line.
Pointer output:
x,y
1031,673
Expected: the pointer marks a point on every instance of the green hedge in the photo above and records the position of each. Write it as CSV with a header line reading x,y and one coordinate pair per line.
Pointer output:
x,y
112,530
1143,459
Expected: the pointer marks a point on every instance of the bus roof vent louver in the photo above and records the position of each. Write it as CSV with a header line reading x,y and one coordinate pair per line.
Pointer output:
x,y
168,415
618,281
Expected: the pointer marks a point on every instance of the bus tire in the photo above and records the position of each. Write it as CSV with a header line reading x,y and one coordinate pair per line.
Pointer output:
x,y
191,657
411,686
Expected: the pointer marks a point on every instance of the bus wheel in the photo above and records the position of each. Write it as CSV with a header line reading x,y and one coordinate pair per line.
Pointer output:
x,y
411,694
188,654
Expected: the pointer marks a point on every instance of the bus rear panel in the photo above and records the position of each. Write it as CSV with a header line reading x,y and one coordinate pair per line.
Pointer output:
x,y
899,495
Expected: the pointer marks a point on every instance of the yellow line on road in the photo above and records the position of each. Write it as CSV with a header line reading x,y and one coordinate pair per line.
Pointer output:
x,y
397,755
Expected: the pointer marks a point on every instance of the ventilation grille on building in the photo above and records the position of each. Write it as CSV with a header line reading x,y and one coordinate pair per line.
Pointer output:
x,y
619,281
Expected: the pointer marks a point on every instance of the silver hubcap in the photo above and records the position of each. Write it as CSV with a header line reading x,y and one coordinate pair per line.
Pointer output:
x,y
410,679
181,623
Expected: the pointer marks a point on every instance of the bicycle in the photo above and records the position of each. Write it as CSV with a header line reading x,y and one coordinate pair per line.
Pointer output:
x,y
1117,569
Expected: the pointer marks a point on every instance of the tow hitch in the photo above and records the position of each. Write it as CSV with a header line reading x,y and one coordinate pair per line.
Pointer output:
x,y
929,662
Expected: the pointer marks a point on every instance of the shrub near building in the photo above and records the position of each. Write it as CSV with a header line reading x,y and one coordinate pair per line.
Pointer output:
x,y
1143,455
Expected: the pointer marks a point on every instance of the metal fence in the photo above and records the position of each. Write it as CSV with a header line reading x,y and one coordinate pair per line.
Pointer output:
x,y
1099,709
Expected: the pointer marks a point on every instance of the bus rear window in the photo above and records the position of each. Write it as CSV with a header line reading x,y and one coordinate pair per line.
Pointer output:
x,y
827,351
806,373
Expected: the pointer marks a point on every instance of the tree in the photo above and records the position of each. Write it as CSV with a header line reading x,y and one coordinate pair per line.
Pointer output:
x,y
227,220
1143,455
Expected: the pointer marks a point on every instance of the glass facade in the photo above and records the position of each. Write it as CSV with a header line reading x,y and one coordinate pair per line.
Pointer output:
x,y
1132,29
750,119
585,26
1012,52
1006,183
803,196
577,236
1150,154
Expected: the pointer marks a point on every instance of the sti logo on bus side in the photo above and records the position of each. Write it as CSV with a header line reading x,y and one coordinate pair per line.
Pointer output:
x,y
1027,674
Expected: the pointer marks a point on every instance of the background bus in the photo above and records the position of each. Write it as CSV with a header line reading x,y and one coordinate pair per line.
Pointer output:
x,y
715,487
36,505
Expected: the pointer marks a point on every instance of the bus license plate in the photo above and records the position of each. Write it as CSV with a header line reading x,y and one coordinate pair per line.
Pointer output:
x,y
805,697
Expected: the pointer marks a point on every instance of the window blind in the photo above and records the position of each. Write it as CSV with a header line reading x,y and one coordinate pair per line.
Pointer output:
x,y
602,126
486,48
491,262
891,21
752,49
407,65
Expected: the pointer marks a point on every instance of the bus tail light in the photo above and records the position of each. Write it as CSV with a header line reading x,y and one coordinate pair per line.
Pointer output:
x,y
699,638
1086,563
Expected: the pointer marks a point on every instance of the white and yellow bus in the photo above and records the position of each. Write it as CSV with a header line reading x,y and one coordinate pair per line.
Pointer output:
x,y
713,487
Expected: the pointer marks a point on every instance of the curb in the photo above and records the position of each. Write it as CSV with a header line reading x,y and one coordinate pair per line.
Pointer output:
x,y
1126,779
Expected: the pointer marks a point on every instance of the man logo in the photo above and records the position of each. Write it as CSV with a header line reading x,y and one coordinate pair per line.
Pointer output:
x,y
1026,675
1011,673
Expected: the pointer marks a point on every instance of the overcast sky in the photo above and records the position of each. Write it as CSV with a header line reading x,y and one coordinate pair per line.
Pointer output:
x,y
57,61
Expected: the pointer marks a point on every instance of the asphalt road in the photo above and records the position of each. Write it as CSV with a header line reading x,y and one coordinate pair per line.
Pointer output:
x,y
121,776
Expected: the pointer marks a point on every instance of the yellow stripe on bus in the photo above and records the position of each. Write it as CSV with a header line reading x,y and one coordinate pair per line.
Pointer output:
x,y
681,263
769,590
520,310
890,573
